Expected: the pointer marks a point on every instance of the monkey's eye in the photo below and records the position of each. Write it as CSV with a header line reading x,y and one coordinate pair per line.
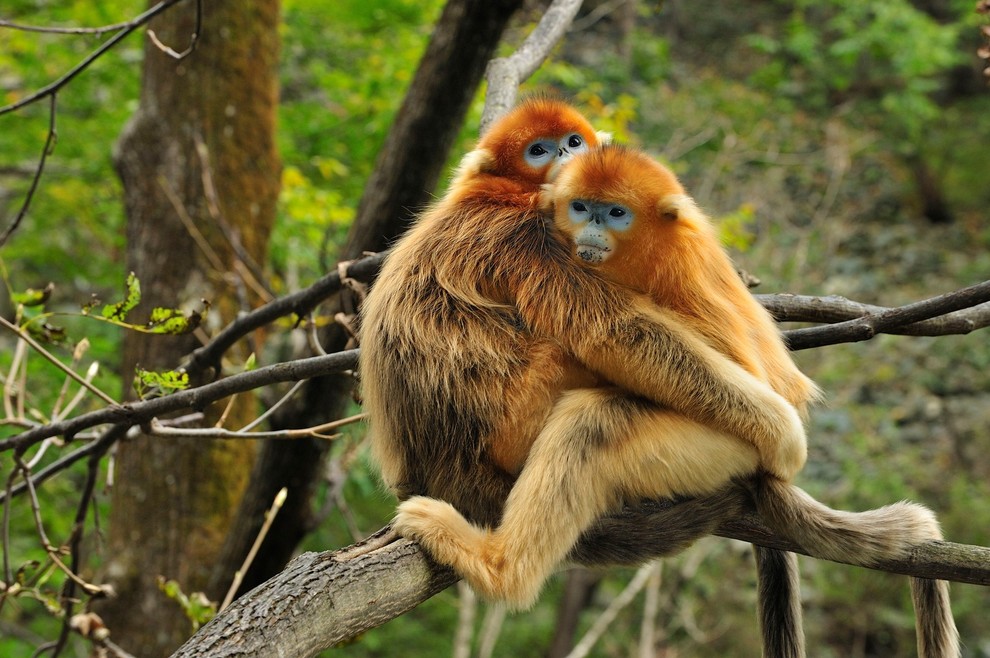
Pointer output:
x,y
577,206
617,212
575,141
540,153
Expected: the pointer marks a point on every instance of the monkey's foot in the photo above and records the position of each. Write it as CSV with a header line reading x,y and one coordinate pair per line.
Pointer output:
x,y
450,539
440,528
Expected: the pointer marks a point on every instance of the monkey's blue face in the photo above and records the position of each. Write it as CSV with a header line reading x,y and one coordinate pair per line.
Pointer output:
x,y
595,224
547,151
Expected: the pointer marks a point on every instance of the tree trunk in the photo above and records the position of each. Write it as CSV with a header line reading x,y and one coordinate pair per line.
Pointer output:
x,y
405,175
201,179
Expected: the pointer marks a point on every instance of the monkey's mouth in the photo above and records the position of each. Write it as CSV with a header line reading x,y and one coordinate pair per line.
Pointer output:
x,y
591,253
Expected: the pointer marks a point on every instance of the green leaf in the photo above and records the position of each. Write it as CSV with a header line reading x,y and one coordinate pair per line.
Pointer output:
x,y
149,383
120,310
172,321
33,297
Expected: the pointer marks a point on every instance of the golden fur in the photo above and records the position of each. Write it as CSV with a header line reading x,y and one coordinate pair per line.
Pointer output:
x,y
672,253
499,372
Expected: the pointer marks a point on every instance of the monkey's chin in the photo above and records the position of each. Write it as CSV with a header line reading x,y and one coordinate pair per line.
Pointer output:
x,y
592,254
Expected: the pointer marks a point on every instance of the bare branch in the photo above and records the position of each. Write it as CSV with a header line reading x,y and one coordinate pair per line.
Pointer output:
x,y
298,304
505,74
136,413
65,79
193,38
321,599
833,309
51,358
866,327
49,146
159,429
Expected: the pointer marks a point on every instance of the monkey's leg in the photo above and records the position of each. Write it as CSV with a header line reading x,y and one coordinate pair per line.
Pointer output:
x,y
779,603
599,446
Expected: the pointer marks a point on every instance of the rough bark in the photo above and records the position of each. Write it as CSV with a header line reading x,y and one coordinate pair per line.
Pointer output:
x,y
198,157
405,175
322,599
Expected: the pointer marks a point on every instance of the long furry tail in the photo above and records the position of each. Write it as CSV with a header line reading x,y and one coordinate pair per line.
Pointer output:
x,y
866,538
862,538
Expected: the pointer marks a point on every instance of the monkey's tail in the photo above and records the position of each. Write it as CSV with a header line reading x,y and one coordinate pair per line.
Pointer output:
x,y
865,538
862,538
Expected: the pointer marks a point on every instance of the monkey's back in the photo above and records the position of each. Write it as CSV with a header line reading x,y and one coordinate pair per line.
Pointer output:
x,y
447,366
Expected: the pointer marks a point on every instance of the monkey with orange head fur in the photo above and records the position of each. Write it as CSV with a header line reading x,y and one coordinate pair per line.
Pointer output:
x,y
630,219
509,379
468,339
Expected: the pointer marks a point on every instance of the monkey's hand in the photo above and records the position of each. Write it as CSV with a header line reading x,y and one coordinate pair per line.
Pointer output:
x,y
784,456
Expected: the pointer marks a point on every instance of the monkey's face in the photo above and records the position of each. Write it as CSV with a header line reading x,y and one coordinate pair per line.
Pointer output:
x,y
528,144
596,227
619,207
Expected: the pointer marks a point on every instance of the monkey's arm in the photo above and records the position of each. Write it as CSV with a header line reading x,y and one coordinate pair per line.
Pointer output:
x,y
646,350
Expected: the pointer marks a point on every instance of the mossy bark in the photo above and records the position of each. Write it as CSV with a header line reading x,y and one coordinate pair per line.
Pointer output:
x,y
201,178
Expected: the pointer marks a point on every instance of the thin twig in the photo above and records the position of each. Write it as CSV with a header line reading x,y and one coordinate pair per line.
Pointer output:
x,y
158,429
51,357
97,447
136,413
266,526
66,78
49,146
651,606
583,648
275,407
467,609
11,25
77,354
75,544
491,628
193,38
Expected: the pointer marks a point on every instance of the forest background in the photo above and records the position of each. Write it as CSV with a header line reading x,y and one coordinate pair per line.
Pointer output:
x,y
841,146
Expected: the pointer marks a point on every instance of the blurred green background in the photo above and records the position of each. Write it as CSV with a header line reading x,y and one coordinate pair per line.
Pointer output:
x,y
841,145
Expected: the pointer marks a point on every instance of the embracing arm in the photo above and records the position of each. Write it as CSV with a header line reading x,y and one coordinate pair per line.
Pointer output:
x,y
649,351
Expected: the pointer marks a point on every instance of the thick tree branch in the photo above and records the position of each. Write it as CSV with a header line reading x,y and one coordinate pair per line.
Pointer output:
x,y
868,326
833,308
322,599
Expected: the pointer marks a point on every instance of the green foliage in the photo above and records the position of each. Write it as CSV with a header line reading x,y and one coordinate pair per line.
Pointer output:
x,y
196,606
887,57
341,86
149,383
166,321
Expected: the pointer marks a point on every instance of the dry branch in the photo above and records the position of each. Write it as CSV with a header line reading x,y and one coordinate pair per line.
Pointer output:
x,y
137,413
321,600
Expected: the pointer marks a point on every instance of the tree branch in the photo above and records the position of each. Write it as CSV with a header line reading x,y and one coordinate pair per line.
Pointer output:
x,y
868,326
833,308
136,413
66,78
505,74
322,599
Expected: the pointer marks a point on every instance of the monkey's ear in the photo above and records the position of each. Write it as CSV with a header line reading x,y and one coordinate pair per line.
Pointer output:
x,y
475,162
679,207
604,138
